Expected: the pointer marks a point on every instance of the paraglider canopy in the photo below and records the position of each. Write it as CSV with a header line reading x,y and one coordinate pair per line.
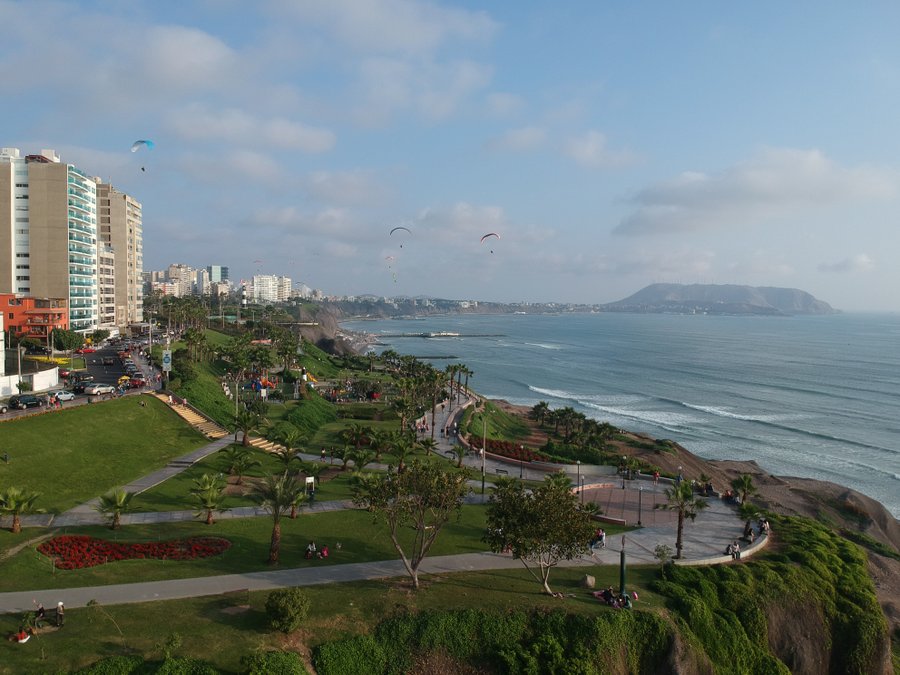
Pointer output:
x,y
138,144
400,228
488,236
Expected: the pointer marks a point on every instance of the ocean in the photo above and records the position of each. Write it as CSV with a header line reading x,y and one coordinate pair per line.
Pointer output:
x,y
817,397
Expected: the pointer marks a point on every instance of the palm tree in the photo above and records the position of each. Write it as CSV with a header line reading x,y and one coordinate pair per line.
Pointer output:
x,y
356,435
17,502
208,493
747,512
429,445
114,504
379,441
247,422
540,411
681,499
743,485
276,494
239,461
402,448
361,459
459,451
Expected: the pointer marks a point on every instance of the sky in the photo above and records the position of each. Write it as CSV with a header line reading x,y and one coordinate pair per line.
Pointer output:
x,y
610,145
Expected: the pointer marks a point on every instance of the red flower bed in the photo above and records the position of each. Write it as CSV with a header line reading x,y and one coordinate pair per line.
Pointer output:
x,y
511,450
74,551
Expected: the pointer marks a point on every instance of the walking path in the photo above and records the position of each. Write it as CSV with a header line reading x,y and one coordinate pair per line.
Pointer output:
x,y
631,502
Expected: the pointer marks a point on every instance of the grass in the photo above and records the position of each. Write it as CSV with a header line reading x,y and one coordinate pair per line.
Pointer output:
x,y
73,455
223,628
361,540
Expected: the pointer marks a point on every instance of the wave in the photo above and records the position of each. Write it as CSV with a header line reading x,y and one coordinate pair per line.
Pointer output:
x,y
543,346
723,412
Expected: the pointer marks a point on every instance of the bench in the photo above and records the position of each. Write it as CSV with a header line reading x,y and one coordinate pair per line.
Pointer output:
x,y
503,471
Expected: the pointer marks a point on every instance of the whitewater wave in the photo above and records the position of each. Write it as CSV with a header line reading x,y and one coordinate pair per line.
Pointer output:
x,y
543,345
724,412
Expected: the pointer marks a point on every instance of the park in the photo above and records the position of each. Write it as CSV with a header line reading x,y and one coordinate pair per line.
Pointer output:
x,y
168,522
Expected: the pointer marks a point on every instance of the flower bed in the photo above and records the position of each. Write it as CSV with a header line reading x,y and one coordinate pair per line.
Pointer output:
x,y
510,449
71,552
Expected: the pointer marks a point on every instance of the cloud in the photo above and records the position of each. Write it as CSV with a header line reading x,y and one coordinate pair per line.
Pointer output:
x,y
500,104
435,90
196,122
686,264
351,188
777,182
526,138
389,26
186,58
857,263
334,223
591,151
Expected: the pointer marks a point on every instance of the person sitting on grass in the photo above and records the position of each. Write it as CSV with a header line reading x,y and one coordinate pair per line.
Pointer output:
x,y
311,550
22,637
324,552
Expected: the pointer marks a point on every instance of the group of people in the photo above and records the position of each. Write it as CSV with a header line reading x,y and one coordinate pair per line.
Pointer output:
x,y
24,633
313,552
734,550
618,601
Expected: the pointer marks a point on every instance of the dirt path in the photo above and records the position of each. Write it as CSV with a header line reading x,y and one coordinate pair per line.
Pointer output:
x,y
18,547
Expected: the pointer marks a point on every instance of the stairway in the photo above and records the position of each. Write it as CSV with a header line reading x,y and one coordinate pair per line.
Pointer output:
x,y
202,424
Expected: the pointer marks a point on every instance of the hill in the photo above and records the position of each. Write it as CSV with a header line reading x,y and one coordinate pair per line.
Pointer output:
x,y
720,299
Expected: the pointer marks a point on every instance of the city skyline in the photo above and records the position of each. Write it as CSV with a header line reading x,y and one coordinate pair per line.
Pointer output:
x,y
608,146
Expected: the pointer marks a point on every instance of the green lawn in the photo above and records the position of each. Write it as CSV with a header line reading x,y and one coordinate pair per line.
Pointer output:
x,y
221,629
76,454
171,495
360,537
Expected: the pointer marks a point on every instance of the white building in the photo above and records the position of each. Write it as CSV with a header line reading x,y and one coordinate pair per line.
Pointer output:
x,y
268,288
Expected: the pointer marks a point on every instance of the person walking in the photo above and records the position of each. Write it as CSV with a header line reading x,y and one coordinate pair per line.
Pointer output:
x,y
60,614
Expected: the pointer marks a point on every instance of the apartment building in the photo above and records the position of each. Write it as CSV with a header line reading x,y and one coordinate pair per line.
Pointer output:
x,y
120,226
36,318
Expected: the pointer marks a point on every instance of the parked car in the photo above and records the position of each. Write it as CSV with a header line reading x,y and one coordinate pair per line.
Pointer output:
x,y
137,382
79,386
64,395
82,376
64,372
3,408
96,389
85,350
109,361
23,401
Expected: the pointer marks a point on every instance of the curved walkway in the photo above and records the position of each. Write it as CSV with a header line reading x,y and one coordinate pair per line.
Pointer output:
x,y
704,539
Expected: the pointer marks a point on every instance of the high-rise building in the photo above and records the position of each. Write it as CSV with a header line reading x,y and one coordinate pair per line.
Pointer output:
x,y
48,232
183,277
217,273
108,311
269,288
120,225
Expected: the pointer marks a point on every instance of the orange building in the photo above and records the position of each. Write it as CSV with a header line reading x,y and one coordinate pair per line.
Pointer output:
x,y
24,316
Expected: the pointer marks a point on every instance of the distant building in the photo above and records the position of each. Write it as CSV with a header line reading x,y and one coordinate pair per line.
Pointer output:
x,y
268,288
106,291
217,273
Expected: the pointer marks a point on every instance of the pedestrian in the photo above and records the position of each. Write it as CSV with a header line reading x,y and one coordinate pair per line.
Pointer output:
x,y
656,477
60,614
171,402
184,403
323,453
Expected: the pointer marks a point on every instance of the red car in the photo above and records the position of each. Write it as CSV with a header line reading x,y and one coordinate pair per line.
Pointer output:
x,y
64,372
137,382
85,350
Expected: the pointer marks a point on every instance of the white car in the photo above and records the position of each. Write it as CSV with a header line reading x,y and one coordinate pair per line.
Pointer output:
x,y
96,389
64,395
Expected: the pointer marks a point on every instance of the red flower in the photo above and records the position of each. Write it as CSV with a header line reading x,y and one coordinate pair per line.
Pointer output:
x,y
74,551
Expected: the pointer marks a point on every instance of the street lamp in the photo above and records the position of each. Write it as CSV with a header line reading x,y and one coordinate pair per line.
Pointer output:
x,y
483,448
582,490
521,462
624,460
578,469
640,502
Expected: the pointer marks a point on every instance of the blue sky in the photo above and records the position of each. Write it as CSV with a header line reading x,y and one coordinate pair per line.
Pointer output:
x,y
609,144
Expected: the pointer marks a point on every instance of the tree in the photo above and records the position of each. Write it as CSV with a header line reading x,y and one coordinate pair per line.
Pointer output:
x,y
428,445
238,461
541,526
208,494
247,422
17,502
424,497
99,335
539,412
114,504
743,485
276,494
663,554
287,609
681,499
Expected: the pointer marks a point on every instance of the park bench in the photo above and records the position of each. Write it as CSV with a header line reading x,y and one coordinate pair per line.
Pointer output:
x,y
502,471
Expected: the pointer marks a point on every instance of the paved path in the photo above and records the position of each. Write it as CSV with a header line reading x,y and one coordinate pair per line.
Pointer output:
x,y
704,538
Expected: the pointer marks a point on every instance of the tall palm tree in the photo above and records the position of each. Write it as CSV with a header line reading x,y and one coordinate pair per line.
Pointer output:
x,y
743,485
276,494
17,502
208,494
540,411
379,441
114,504
681,499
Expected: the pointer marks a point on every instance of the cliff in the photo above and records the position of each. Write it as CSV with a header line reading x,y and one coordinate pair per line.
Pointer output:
x,y
720,299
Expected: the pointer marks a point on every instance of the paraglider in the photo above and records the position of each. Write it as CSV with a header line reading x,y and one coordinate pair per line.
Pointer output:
x,y
400,228
488,235
142,143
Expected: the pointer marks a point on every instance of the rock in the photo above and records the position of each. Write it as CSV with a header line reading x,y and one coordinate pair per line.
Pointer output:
x,y
587,581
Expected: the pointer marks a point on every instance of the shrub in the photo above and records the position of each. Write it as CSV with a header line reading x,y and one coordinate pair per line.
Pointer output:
x,y
184,666
287,608
360,655
311,414
113,665
273,663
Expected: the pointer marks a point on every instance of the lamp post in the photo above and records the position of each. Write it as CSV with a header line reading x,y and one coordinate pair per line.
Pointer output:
x,y
624,460
582,490
578,469
521,462
640,503
19,349
483,448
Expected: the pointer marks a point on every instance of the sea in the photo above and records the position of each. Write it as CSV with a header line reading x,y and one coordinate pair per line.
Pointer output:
x,y
809,396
